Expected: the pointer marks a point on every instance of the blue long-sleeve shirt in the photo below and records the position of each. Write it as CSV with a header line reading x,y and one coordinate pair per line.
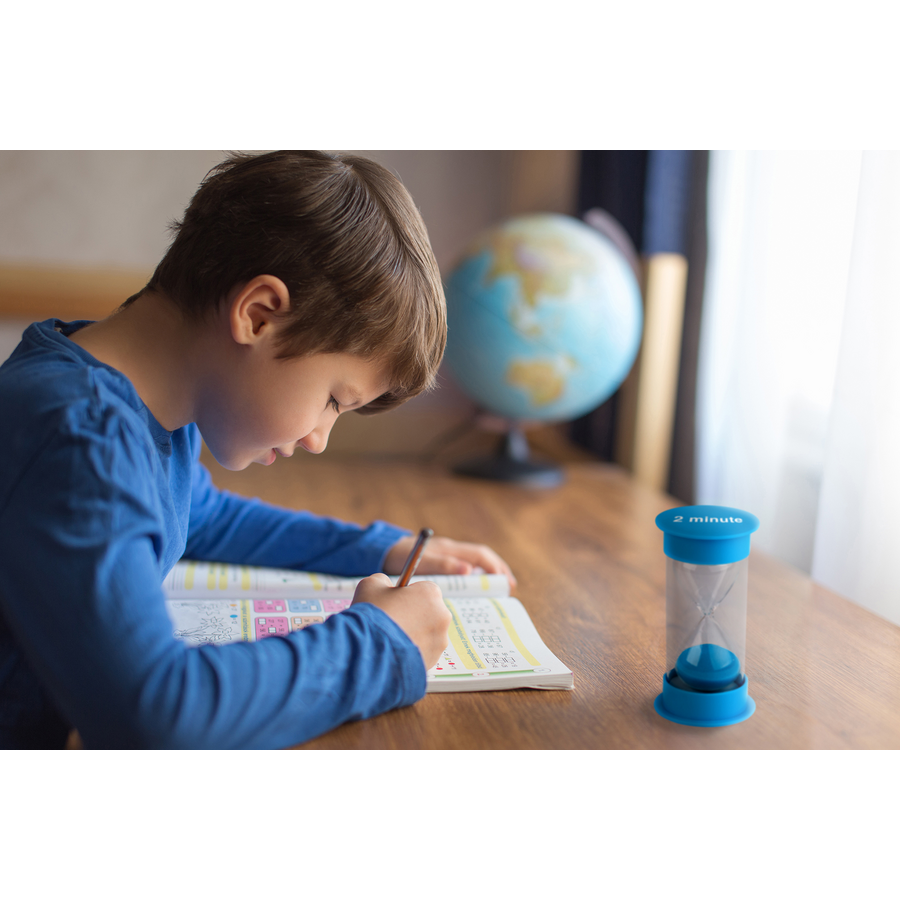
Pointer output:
x,y
97,503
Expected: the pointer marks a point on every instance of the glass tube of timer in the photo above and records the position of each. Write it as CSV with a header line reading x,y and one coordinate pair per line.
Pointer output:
x,y
706,621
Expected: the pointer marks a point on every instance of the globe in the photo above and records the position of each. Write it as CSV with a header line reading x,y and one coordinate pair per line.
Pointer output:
x,y
544,318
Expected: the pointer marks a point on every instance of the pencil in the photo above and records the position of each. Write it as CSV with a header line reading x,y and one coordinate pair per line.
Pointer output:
x,y
412,561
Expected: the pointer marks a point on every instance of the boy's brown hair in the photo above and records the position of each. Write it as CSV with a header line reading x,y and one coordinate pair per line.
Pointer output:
x,y
344,236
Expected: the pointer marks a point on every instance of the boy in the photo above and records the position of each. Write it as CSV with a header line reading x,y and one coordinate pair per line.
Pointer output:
x,y
298,285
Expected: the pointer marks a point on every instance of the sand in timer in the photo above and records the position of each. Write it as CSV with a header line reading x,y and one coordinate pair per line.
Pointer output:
x,y
706,615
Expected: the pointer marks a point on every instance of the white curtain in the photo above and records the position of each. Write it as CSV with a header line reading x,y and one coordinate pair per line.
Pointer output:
x,y
799,379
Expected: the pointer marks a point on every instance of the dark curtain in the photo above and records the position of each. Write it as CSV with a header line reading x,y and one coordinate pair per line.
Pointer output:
x,y
660,202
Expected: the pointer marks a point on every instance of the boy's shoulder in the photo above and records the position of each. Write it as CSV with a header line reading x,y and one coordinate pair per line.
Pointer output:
x,y
50,385
48,371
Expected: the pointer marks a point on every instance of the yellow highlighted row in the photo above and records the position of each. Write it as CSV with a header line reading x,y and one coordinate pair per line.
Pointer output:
x,y
508,625
460,641
463,646
215,573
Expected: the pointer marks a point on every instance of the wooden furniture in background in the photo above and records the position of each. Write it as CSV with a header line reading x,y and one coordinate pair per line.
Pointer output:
x,y
824,672
543,181
647,419
68,292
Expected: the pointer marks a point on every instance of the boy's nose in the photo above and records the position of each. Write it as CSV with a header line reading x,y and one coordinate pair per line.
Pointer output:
x,y
317,440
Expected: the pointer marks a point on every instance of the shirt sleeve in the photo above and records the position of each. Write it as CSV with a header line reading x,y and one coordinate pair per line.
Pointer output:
x,y
80,589
227,527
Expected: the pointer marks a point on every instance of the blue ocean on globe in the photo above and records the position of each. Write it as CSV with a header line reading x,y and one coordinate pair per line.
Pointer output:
x,y
544,318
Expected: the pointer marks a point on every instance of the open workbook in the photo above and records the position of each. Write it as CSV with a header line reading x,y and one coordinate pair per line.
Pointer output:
x,y
493,643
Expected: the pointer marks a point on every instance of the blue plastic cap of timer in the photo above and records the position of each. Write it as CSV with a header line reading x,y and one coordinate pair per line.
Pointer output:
x,y
708,689
707,535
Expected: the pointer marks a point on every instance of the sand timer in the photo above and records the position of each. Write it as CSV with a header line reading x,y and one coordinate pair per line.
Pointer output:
x,y
706,615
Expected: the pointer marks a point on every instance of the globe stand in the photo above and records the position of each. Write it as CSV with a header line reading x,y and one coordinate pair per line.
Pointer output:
x,y
512,463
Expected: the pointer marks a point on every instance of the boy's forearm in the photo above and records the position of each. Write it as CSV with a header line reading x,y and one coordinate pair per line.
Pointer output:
x,y
229,528
272,694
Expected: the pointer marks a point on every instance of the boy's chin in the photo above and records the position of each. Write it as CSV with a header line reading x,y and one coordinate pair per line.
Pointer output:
x,y
267,458
237,462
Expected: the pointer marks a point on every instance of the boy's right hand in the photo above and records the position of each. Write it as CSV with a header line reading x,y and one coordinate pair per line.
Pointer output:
x,y
418,609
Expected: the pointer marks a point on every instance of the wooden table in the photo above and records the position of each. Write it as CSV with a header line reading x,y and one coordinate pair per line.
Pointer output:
x,y
824,672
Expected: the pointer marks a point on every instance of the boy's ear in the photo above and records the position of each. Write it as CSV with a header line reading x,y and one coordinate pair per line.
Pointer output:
x,y
256,308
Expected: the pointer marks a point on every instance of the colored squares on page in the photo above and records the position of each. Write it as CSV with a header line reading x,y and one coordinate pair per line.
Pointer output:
x,y
334,606
269,626
305,606
298,622
269,606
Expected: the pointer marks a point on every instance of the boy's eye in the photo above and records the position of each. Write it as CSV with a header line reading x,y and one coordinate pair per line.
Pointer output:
x,y
335,405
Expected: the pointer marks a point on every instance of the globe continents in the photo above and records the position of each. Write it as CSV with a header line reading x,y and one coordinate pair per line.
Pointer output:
x,y
544,318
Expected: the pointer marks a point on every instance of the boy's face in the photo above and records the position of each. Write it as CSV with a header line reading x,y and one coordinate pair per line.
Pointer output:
x,y
270,406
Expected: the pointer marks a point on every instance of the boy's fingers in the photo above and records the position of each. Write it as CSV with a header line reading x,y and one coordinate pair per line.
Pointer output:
x,y
441,564
463,564
369,587
444,556
381,578
483,557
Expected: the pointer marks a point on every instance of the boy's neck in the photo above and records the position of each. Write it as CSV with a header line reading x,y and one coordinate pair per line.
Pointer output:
x,y
152,344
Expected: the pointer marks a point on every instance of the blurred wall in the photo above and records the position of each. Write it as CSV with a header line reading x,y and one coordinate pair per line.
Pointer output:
x,y
111,209
94,207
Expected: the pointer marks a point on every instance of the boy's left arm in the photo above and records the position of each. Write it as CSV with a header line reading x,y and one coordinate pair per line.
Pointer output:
x,y
227,527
